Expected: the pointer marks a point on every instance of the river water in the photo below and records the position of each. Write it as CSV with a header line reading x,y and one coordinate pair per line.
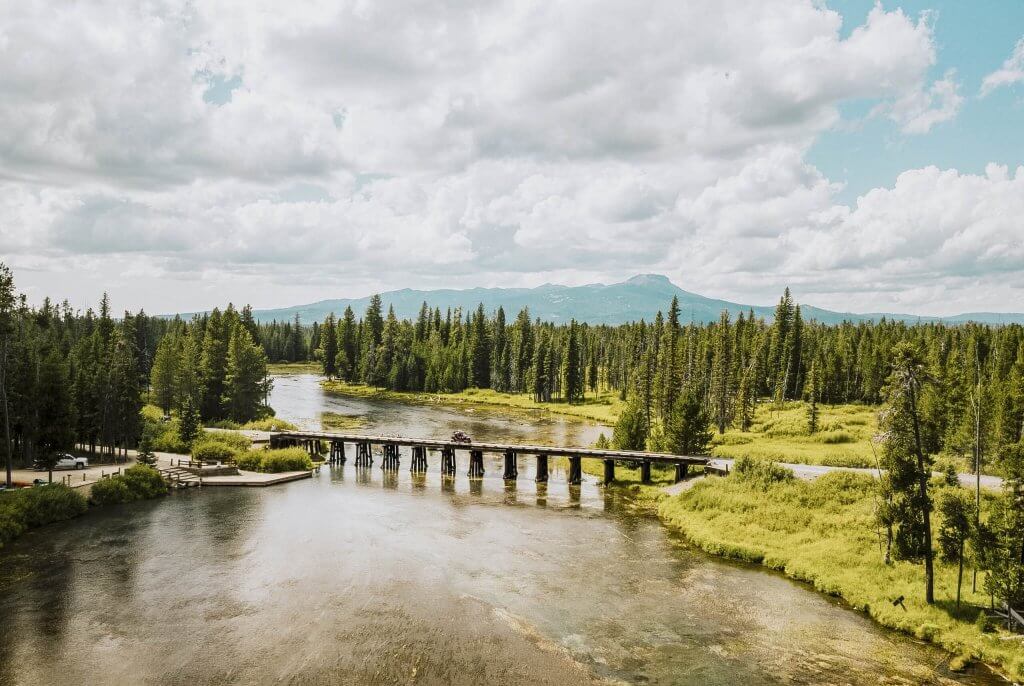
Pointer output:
x,y
362,578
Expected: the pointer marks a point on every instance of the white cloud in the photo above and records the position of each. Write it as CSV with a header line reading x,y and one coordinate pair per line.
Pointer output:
x,y
919,110
1010,73
395,143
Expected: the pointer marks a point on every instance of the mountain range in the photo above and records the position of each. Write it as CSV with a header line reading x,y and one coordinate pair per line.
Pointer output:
x,y
640,297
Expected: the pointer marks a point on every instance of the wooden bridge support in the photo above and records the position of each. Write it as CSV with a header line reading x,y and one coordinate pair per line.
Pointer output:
x,y
448,461
575,470
364,456
542,469
419,459
609,471
645,471
476,464
681,470
391,461
337,454
511,466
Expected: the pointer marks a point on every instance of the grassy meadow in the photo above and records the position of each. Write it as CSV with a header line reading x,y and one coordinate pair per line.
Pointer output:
x,y
603,408
823,532
779,433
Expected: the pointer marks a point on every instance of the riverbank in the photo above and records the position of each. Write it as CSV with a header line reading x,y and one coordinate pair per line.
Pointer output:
x,y
603,408
823,532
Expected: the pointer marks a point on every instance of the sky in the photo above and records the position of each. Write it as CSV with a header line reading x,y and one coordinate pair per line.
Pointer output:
x,y
180,155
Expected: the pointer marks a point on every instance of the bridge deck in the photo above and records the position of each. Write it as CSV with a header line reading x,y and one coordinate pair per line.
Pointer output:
x,y
438,444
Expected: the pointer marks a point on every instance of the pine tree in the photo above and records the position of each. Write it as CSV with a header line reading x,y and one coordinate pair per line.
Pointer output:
x,y
245,381
329,347
722,375
572,370
688,429
906,463
631,428
190,423
348,345
958,517
811,389
162,376
480,350
213,366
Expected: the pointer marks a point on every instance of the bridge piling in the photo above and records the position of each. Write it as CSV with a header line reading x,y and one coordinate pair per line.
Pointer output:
x,y
681,471
448,461
511,466
575,470
645,471
419,459
609,471
391,460
364,456
542,469
476,464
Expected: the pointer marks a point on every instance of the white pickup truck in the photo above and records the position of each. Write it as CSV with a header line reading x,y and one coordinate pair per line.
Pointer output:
x,y
66,461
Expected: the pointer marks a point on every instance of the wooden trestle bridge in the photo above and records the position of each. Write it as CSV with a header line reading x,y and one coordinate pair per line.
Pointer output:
x,y
312,441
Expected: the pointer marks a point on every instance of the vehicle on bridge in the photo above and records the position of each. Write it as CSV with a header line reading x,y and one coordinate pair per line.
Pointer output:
x,y
461,437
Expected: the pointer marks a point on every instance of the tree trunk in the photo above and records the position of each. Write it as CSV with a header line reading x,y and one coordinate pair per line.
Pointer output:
x,y
960,575
7,415
929,571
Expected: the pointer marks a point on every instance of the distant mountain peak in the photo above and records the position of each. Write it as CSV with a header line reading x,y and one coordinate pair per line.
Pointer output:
x,y
649,280
639,297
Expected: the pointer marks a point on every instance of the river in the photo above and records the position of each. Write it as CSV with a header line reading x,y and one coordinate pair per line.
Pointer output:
x,y
362,578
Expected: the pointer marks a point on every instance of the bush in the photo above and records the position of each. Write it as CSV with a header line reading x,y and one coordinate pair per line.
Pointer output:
x,y
165,436
834,437
31,507
228,438
137,483
762,473
269,424
273,461
110,492
214,452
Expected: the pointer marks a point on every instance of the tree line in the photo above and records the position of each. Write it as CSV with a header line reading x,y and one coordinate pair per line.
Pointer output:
x,y
69,378
718,370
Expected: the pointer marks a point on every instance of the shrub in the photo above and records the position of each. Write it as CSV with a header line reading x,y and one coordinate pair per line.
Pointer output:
x,y
269,424
137,483
833,437
145,482
31,507
273,461
214,452
228,438
165,436
763,473
110,492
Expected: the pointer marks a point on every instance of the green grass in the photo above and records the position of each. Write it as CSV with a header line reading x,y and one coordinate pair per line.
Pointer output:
x,y
823,532
843,438
28,508
274,461
337,420
294,368
603,407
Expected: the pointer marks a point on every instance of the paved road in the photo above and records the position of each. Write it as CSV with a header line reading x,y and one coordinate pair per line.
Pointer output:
x,y
812,471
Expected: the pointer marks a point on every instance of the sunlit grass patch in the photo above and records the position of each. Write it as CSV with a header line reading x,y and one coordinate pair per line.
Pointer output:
x,y
824,532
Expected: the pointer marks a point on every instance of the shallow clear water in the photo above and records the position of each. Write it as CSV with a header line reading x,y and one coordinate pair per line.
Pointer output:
x,y
365,578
